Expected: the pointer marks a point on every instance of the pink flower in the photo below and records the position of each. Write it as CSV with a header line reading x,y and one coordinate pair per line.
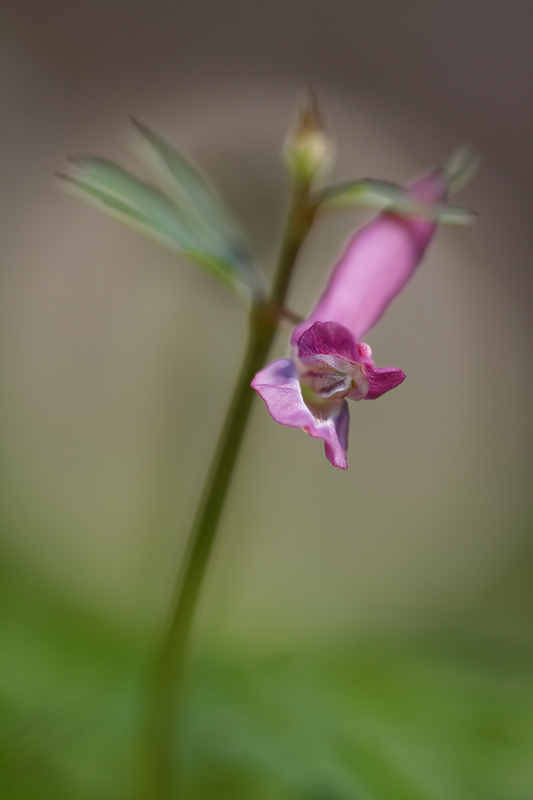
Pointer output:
x,y
330,363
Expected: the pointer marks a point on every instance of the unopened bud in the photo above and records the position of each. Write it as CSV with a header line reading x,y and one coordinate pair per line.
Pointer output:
x,y
309,148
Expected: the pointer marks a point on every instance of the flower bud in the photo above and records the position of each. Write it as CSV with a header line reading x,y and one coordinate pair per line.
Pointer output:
x,y
309,148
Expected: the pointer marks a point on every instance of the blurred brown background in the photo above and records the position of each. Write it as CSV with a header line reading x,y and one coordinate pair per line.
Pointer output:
x,y
117,361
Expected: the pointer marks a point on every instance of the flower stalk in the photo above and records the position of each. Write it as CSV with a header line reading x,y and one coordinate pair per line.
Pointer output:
x,y
160,768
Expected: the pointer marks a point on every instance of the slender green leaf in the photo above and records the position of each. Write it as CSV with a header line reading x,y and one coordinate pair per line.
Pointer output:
x,y
126,194
189,189
146,209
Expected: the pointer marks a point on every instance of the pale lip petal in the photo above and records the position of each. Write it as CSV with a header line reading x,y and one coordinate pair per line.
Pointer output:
x,y
279,387
378,262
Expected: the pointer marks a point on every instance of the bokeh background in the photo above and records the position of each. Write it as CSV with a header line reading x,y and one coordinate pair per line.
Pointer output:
x,y
365,634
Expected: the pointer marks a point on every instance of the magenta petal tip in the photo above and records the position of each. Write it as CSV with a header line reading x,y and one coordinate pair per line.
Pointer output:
x,y
381,380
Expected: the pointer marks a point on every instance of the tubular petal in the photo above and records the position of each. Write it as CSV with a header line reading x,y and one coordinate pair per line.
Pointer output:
x,y
279,387
378,262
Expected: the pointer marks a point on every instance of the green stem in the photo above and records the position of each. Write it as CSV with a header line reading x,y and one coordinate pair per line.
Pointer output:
x,y
157,772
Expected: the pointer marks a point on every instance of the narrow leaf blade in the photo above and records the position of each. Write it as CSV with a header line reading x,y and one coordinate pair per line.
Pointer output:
x,y
144,208
457,215
366,193
461,168
189,188
385,196
116,184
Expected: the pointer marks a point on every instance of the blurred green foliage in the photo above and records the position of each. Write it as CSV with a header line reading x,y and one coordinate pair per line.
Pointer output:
x,y
447,715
